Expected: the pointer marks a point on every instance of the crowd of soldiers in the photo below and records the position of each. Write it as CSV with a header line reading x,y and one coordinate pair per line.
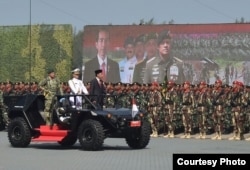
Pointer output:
x,y
171,106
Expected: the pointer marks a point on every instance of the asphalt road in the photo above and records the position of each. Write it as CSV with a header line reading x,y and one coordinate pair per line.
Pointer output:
x,y
116,155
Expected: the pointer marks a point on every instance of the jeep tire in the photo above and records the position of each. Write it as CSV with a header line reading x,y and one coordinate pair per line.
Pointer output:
x,y
139,140
91,135
19,133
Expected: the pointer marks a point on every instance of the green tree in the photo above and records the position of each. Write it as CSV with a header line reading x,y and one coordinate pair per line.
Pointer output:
x,y
33,52
63,36
77,59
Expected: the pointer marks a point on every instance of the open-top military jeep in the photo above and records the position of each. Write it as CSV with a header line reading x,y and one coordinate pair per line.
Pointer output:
x,y
89,124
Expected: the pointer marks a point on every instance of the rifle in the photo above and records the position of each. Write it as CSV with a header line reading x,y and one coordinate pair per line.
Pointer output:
x,y
233,104
217,97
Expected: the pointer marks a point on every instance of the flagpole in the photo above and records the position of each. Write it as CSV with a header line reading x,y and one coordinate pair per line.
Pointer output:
x,y
30,47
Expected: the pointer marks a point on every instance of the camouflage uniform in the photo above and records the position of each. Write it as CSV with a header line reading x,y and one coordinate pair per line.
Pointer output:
x,y
4,120
154,106
178,108
164,66
218,100
121,96
50,87
22,90
239,104
141,98
109,100
247,124
124,95
187,109
170,106
202,109
34,88
7,92
228,109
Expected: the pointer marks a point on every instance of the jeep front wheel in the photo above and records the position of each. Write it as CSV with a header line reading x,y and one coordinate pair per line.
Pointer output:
x,y
139,138
91,135
19,133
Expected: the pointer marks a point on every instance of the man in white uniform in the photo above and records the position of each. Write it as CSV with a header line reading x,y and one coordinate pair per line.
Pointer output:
x,y
127,65
77,88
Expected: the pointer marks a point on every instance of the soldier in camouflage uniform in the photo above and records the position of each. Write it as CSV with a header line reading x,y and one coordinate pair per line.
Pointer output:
x,y
27,87
129,94
109,101
3,111
164,65
22,90
9,91
119,92
154,107
247,124
135,88
178,114
202,102
34,89
187,109
51,87
170,107
218,100
227,109
141,97
238,102
16,88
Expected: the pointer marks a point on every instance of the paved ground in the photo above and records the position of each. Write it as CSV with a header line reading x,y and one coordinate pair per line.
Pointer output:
x,y
115,154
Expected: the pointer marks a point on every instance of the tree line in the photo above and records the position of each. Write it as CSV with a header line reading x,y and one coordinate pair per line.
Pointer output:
x,y
27,52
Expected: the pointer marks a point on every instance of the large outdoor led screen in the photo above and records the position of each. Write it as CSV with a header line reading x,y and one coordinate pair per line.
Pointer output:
x,y
198,52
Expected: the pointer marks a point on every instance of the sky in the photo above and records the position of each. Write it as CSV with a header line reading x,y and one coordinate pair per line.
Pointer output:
x,y
116,12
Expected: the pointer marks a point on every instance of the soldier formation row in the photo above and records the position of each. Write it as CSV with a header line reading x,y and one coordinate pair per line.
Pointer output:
x,y
171,106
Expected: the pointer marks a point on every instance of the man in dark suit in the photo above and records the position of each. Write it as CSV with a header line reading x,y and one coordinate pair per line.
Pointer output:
x,y
97,89
110,68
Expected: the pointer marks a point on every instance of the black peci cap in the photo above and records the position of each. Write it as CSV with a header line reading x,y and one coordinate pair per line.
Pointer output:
x,y
98,71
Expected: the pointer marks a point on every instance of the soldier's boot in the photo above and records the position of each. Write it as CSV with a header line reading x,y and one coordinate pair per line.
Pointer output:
x,y
203,136
167,135
184,136
199,137
219,136
216,136
171,134
154,134
234,136
188,136
240,136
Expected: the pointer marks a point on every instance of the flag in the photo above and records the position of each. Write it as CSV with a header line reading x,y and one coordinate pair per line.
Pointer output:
x,y
134,108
